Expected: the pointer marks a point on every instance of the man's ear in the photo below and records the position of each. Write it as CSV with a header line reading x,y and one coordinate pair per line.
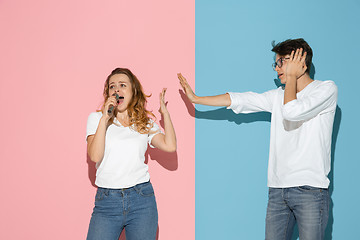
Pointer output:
x,y
305,67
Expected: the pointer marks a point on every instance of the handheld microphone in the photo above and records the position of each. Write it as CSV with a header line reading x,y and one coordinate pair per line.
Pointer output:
x,y
111,108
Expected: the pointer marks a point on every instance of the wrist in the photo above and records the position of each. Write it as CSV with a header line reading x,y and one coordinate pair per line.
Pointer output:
x,y
291,78
195,99
104,119
165,113
290,75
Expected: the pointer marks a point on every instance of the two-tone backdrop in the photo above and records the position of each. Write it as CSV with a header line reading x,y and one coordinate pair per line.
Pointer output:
x,y
55,56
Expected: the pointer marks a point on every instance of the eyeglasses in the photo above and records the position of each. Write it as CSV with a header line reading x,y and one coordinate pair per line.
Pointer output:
x,y
279,62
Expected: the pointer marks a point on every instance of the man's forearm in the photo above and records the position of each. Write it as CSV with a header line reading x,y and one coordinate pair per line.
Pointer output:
x,y
290,89
222,100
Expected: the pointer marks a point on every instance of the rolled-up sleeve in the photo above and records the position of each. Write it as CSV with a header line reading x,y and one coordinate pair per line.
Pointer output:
x,y
249,102
322,99
153,132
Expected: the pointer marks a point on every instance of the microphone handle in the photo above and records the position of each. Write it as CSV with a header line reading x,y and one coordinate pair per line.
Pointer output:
x,y
111,108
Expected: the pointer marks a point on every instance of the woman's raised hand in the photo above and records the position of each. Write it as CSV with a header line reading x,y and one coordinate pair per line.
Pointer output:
x,y
163,110
186,87
111,101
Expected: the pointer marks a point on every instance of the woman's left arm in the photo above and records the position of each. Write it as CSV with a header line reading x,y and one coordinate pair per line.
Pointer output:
x,y
165,142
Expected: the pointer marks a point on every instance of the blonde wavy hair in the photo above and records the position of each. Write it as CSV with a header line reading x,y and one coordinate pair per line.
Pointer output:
x,y
138,115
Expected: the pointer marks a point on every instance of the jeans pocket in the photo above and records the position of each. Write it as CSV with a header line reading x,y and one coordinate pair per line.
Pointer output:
x,y
100,194
146,190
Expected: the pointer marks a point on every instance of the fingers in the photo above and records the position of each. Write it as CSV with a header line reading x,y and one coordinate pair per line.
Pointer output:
x,y
162,95
183,81
185,85
180,76
303,58
292,55
162,109
296,64
111,101
298,55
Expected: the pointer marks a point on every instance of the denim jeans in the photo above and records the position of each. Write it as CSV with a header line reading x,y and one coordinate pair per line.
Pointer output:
x,y
307,206
133,209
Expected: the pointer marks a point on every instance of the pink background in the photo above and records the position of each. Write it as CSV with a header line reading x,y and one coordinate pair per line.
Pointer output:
x,y
54,58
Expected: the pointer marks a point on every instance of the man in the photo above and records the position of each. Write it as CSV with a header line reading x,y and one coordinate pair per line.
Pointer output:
x,y
302,116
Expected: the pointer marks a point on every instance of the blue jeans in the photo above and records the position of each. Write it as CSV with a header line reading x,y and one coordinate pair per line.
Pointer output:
x,y
307,206
133,209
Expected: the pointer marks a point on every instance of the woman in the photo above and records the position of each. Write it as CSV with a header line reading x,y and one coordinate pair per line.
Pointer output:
x,y
117,139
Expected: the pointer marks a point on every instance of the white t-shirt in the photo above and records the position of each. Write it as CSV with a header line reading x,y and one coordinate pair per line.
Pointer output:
x,y
123,163
301,130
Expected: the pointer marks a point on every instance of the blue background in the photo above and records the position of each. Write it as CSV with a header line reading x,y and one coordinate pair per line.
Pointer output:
x,y
233,53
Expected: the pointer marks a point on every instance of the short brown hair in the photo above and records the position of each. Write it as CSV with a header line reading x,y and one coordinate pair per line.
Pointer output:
x,y
287,46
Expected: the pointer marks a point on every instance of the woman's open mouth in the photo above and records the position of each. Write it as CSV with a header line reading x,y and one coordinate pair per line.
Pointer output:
x,y
120,100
